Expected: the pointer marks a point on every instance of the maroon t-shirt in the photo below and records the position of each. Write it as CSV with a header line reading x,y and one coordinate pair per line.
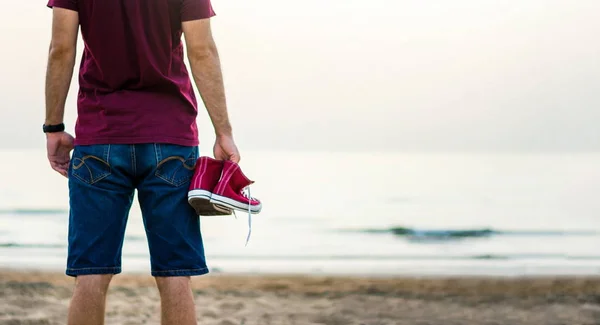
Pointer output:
x,y
133,84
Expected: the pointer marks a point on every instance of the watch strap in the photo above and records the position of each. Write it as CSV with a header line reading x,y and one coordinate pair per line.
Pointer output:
x,y
54,128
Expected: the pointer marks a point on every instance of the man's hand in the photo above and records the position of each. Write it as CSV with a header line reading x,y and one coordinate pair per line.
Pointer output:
x,y
59,146
225,149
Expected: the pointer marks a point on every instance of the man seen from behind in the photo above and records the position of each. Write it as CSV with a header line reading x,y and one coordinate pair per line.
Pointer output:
x,y
135,131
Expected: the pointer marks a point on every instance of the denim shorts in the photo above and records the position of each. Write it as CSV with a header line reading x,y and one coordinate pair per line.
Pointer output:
x,y
102,183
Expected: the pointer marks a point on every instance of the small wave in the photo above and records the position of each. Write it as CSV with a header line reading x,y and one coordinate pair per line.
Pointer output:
x,y
535,257
16,245
442,234
396,257
135,238
33,211
490,257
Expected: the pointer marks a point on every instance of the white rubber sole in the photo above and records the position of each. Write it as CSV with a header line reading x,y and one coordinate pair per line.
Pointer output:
x,y
200,201
199,194
233,204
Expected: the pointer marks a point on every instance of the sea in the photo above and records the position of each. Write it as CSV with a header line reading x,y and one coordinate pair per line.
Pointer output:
x,y
353,213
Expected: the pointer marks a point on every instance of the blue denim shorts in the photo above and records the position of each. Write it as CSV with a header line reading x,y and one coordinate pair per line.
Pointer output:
x,y
102,183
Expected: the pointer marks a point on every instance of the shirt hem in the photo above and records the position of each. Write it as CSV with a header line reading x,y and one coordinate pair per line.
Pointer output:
x,y
63,5
135,140
192,17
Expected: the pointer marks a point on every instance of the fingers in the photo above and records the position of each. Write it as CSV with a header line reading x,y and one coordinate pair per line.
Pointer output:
x,y
61,168
222,155
59,147
64,173
235,158
219,155
226,150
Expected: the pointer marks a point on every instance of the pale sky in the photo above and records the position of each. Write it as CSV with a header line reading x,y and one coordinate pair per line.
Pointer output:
x,y
393,75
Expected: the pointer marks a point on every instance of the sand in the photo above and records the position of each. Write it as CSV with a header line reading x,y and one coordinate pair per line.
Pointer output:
x,y
37,298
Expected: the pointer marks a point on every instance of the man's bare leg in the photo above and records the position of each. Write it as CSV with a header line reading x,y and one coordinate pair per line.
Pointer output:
x,y
177,301
88,303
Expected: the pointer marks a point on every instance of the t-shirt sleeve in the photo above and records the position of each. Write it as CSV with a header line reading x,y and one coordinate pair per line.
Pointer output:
x,y
196,9
66,4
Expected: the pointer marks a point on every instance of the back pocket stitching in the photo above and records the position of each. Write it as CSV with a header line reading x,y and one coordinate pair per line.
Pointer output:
x,y
184,164
93,179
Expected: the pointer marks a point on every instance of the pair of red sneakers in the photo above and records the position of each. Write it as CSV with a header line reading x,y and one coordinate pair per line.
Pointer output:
x,y
219,187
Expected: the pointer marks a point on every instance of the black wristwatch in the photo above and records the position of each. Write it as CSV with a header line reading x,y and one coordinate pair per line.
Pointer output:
x,y
54,128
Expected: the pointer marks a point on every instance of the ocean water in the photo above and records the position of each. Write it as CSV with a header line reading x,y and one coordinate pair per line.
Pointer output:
x,y
354,213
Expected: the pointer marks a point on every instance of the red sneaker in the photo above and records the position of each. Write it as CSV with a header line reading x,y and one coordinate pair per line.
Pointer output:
x,y
230,190
206,177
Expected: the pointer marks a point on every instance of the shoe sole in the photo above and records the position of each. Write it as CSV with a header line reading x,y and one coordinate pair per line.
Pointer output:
x,y
233,204
200,201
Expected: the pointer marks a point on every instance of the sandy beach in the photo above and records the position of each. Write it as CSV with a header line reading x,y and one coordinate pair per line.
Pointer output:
x,y
42,298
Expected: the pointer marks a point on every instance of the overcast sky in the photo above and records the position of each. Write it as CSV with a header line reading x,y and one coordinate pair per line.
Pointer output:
x,y
493,75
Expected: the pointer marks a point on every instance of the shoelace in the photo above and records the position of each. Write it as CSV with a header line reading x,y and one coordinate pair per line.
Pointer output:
x,y
246,193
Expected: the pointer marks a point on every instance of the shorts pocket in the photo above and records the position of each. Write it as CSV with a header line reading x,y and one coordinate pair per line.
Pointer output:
x,y
175,164
90,164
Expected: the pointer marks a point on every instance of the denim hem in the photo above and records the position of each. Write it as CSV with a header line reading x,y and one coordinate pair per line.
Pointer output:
x,y
93,270
190,272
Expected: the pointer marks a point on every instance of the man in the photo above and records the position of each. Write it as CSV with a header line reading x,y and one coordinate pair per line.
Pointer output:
x,y
136,130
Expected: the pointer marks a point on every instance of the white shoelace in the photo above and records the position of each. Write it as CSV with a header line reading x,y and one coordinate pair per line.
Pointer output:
x,y
246,193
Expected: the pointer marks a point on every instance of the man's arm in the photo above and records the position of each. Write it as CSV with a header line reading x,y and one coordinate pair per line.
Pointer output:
x,y
61,62
206,70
